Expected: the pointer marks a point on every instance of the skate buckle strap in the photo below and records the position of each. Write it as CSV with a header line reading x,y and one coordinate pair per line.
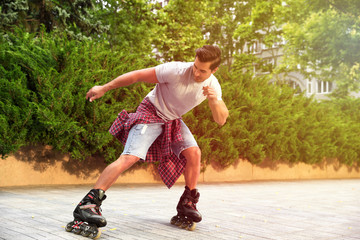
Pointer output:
x,y
76,224
88,206
191,204
192,199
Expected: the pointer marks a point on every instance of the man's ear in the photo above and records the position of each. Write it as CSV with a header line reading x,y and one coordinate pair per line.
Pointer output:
x,y
215,69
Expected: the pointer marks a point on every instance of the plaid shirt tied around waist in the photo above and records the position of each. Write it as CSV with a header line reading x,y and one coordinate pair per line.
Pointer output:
x,y
170,167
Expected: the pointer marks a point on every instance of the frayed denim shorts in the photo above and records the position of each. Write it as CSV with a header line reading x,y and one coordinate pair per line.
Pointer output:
x,y
142,136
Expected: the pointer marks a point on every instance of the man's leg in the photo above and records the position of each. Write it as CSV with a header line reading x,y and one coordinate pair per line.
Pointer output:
x,y
113,171
192,168
88,210
141,137
191,151
187,214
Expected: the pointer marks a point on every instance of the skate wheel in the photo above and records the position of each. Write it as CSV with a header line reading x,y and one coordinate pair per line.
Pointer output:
x,y
180,221
95,235
174,220
191,226
188,224
185,224
85,233
86,230
68,227
77,231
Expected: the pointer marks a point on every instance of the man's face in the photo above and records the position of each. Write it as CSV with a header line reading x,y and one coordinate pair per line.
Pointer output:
x,y
202,70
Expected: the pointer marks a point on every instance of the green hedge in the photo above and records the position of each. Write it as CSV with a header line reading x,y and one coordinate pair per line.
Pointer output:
x,y
273,122
44,79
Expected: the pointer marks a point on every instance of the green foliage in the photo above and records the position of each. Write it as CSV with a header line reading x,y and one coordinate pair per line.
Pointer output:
x,y
221,26
11,11
323,39
76,18
43,86
237,25
131,24
21,59
269,121
179,31
345,133
47,69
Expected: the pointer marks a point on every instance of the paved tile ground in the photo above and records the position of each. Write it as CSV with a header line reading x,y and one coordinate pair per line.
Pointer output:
x,y
321,209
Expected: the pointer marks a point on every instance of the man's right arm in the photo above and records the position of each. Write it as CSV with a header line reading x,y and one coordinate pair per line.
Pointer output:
x,y
144,75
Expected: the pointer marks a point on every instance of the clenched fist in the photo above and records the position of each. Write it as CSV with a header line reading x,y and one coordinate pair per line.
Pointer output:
x,y
210,93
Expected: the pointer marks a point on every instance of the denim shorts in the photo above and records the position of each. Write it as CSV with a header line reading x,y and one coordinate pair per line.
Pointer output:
x,y
142,136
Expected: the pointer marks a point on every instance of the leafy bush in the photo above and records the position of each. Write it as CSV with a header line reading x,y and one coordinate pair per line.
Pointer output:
x,y
268,121
44,80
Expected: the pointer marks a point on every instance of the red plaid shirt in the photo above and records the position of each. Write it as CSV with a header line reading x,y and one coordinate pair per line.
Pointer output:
x,y
171,167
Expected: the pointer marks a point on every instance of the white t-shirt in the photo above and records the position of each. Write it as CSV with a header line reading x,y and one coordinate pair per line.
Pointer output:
x,y
177,92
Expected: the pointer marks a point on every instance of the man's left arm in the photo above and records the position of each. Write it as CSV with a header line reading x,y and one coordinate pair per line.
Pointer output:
x,y
218,108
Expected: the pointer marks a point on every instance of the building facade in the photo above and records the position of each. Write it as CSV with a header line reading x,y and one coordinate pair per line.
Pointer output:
x,y
274,55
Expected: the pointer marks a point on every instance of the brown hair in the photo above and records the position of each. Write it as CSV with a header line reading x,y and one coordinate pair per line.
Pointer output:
x,y
209,53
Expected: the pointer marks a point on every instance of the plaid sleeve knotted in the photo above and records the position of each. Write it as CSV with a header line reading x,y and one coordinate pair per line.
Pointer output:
x,y
170,167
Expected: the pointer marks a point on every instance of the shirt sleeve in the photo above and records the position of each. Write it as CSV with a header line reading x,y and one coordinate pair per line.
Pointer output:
x,y
166,72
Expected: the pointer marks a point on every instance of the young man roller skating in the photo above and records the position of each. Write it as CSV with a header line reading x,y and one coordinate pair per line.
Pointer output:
x,y
156,133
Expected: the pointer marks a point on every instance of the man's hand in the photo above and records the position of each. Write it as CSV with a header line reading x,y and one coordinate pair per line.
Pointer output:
x,y
218,108
95,93
210,93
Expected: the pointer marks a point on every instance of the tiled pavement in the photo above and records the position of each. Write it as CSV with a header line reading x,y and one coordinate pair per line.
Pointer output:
x,y
290,210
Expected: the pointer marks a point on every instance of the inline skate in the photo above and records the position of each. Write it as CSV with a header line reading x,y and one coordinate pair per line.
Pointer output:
x,y
87,215
187,214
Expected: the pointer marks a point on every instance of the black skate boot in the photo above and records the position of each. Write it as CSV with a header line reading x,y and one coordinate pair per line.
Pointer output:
x,y
187,215
87,215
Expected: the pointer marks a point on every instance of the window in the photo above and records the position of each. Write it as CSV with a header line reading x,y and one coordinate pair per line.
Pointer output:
x,y
309,90
293,84
324,87
254,47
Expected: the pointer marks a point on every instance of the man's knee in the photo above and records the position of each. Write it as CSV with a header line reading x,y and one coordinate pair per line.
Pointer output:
x,y
130,159
192,154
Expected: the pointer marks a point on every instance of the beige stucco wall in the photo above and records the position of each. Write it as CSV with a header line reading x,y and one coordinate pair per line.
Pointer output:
x,y
43,166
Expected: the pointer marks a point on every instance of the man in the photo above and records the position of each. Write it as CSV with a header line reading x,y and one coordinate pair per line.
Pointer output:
x,y
157,133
